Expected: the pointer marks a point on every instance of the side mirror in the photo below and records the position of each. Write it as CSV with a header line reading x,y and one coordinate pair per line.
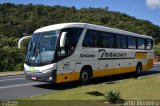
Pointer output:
x,y
22,39
63,39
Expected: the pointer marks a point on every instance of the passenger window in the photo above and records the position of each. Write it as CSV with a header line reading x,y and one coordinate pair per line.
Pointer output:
x,y
141,43
107,40
149,44
121,41
91,39
131,42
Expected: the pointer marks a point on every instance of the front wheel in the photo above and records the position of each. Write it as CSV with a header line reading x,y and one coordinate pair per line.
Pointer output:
x,y
85,76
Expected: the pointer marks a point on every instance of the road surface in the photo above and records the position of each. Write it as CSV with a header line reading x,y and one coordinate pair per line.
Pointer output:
x,y
13,87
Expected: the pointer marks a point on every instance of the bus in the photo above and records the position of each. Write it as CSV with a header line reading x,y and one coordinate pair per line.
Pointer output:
x,y
81,51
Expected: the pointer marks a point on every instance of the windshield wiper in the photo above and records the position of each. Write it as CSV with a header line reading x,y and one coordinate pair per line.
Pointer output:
x,y
34,50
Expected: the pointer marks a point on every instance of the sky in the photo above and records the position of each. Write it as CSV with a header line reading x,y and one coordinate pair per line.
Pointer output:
x,y
141,9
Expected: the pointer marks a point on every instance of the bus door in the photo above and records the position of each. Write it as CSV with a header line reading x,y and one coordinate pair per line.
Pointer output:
x,y
65,68
68,42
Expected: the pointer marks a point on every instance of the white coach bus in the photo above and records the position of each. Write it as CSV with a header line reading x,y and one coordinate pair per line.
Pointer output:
x,y
80,51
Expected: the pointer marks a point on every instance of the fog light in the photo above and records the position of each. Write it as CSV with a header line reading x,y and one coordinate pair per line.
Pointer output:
x,y
50,78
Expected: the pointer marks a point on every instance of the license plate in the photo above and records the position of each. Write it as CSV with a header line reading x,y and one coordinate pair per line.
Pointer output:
x,y
33,78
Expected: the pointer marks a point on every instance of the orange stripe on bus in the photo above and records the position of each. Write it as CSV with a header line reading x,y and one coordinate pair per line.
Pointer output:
x,y
73,76
141,55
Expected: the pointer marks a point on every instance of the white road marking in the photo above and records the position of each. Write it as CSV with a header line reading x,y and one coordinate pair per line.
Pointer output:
x,y
11,79
18,85
14,76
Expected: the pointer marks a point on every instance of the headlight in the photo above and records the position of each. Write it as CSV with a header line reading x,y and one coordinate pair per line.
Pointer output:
x,y
46,71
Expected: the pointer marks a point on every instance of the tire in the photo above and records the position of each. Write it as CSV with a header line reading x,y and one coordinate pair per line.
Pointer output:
x,y
85,76
138,70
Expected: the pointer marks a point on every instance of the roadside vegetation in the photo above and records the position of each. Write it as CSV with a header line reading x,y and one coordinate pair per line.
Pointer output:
x,y
11,58
113,97
157,52
20,20
145,88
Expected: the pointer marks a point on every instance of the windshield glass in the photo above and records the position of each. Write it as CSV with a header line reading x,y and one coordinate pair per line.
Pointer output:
x,y
41,47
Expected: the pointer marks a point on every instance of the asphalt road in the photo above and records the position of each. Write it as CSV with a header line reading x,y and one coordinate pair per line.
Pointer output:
x,y
13,87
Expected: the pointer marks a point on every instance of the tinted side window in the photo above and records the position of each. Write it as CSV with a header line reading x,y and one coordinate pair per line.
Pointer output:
x,y
91,39
131,42
107,40
149,44
141,43
121,41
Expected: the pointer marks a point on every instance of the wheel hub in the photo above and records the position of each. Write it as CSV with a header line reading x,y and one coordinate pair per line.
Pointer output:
x,y
84,76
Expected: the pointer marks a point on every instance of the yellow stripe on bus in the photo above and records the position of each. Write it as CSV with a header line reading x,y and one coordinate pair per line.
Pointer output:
x,y
66,77
99,73
73,76
149,65
140,55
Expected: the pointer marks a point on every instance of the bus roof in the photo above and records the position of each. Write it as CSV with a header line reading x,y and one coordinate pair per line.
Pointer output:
x,y
88,26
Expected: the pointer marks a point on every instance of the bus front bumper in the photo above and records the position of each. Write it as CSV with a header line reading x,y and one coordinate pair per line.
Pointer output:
x,y
46,73
42,77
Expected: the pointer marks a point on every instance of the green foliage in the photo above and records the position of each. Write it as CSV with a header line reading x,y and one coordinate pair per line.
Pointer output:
x,y
8,41
10,58
157,51
20,20
18,67
157,47
113,96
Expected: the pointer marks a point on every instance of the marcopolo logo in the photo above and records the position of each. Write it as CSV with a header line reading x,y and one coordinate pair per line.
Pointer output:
x,y
31,69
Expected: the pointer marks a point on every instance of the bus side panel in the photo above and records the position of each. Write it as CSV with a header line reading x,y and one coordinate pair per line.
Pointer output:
x,y
114,66
72,75
107,72
65,71
126,63
145,58
140,55
80,64
149,63
104,66
66,77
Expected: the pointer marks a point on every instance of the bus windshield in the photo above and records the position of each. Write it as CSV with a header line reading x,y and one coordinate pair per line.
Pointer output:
x,y
41,48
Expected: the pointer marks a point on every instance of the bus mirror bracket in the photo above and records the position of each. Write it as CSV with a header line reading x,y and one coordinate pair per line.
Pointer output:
x,y
63,39
21,39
